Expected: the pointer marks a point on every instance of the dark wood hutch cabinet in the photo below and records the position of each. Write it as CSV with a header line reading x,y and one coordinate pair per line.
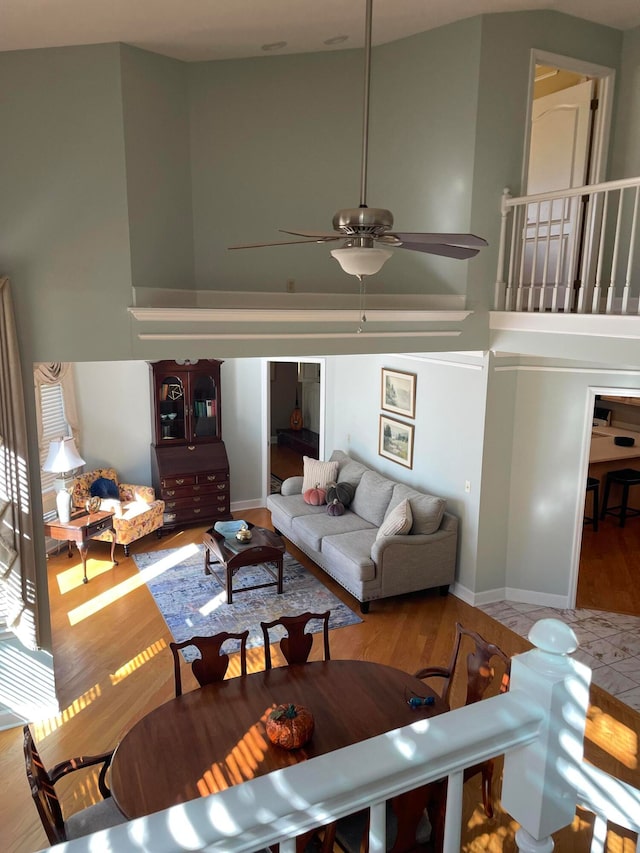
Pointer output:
x,y
189,464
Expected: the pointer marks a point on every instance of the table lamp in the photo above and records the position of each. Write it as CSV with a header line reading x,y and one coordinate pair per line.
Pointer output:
x,y
63,459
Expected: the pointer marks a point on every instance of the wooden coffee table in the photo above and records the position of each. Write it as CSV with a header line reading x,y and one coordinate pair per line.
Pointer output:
x,y
264,548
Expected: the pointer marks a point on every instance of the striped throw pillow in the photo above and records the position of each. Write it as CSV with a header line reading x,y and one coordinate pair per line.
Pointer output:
x,y
316,473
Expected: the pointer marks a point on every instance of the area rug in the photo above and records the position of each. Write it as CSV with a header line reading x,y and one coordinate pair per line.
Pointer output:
x,y
195,604
276,485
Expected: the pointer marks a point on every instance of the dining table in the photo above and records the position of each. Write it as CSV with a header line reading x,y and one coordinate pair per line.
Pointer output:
x,y
214,737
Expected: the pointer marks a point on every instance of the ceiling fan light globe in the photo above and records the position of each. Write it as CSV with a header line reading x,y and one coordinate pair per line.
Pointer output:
x,y
359,260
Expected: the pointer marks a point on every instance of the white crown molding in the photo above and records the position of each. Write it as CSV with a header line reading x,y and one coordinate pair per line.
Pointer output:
x,y
288,336
310,315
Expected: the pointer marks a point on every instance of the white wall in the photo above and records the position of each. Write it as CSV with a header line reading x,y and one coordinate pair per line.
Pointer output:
x,y
114,407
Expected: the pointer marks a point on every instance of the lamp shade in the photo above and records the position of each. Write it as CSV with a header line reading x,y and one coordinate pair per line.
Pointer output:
x,y
361,260
63,456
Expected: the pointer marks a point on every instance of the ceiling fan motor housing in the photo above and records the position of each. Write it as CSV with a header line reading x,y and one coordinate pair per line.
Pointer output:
x,y
363,221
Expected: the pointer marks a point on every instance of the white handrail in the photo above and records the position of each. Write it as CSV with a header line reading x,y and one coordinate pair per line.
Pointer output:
x,y
573,249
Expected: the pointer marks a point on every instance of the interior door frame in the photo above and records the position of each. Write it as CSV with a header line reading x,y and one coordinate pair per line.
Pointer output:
x,y
266,412
592,393
602,130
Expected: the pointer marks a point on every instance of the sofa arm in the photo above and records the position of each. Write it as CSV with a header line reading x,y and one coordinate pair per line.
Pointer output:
x,y
131,492
407,544
292,486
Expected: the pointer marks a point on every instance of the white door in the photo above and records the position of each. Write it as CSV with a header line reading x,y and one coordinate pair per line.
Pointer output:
x,y
561,127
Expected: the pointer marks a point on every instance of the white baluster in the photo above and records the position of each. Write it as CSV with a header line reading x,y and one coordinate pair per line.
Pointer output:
x,y
597,290
378,828
632,240
453,816
512,258
499,297
611,292
528,844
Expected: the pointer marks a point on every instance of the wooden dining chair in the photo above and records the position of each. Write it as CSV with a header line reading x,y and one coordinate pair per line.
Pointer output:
x,y
296,644
100,815
212,664
479,675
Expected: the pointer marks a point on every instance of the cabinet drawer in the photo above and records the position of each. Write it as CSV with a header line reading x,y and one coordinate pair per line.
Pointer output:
x,y
194,491
209,477
179,480
207,501
97,526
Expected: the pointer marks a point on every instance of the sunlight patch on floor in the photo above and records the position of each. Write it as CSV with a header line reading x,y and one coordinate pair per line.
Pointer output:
x,y
84,611
71,578
613,737
48,726
135,663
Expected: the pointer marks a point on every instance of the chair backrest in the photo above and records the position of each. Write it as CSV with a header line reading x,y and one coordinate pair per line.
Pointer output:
x,y
43,792
212,664
479,672
296,645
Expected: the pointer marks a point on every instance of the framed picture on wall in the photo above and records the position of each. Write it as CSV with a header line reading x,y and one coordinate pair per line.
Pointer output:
x,y
398,392
395,441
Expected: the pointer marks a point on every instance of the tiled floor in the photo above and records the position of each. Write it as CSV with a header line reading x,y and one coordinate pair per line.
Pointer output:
x,y
609,642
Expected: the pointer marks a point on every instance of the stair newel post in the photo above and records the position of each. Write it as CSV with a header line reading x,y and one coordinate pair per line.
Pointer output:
x,y
536,788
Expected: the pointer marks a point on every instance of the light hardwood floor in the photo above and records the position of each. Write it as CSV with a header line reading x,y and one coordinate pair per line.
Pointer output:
x,y
113,665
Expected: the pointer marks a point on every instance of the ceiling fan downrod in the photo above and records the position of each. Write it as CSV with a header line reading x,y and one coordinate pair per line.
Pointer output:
x,y
365,103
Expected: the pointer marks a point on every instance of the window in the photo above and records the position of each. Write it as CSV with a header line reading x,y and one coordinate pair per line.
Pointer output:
x,y
54,426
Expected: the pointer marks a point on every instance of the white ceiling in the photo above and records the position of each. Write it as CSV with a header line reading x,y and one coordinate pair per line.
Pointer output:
x,y
195,30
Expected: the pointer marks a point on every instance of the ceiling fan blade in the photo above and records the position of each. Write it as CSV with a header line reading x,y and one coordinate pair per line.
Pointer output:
x,y
283,243
453,239
459,252
321,235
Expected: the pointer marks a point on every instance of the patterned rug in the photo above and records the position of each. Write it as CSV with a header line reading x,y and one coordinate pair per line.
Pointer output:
x,y
276,485
193,603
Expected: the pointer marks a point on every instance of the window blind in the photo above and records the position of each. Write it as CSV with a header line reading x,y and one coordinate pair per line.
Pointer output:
x,y
54,426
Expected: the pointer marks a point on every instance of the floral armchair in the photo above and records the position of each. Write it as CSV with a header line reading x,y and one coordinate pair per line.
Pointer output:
x,y
136,510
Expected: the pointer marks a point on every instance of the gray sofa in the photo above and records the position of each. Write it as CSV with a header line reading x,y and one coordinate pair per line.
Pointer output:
x,y
346,546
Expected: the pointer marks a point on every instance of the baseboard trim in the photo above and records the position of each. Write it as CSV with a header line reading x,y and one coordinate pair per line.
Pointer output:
x,y
239,506
522,596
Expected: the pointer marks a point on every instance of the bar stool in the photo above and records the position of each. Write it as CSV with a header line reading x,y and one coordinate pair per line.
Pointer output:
x,y
593,485
625,477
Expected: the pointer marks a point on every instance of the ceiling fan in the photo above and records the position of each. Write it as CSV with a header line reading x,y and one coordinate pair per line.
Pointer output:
x,y
368,232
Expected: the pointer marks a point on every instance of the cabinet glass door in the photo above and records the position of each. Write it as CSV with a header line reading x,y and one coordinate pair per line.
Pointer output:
x,y
172,408
205,407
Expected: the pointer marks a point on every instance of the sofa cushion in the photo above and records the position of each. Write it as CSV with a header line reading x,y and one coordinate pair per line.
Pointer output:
x,y
318,473
349,471
349,554
372,497
292,506
313,528
398,521
427,510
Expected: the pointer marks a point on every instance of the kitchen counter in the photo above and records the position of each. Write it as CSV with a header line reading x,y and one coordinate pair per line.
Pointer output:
x,y
604,450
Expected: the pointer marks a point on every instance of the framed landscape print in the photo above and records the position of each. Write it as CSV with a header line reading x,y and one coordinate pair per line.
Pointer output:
x,y
398,392
395,441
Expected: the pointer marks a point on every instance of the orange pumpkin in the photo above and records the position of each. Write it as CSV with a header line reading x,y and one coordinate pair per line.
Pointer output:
x,y
290,726
315,496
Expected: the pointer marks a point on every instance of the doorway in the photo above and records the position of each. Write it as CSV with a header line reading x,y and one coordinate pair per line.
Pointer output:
x,y
567,132
607,558
293,417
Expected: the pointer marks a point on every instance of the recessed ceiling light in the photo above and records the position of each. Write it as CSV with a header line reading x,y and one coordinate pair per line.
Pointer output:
x,y
275,45
336,40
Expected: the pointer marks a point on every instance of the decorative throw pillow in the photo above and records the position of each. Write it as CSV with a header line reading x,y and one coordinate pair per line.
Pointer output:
x,y
318,474
398,522
104,488
112,505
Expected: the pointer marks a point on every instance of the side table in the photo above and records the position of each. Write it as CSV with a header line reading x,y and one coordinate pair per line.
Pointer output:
x,y
264,548
80,529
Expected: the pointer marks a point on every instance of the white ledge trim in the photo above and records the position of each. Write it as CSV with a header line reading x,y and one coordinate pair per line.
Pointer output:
x,y
592,325
290,336
269,315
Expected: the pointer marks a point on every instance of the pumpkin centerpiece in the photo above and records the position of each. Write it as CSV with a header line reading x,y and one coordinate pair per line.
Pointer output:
x,y
290,726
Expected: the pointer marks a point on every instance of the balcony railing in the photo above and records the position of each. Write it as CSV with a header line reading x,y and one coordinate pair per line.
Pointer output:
x,y
539,726
573,250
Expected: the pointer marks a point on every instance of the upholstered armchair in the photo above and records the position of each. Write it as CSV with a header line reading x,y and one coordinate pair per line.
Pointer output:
x,y
136,510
